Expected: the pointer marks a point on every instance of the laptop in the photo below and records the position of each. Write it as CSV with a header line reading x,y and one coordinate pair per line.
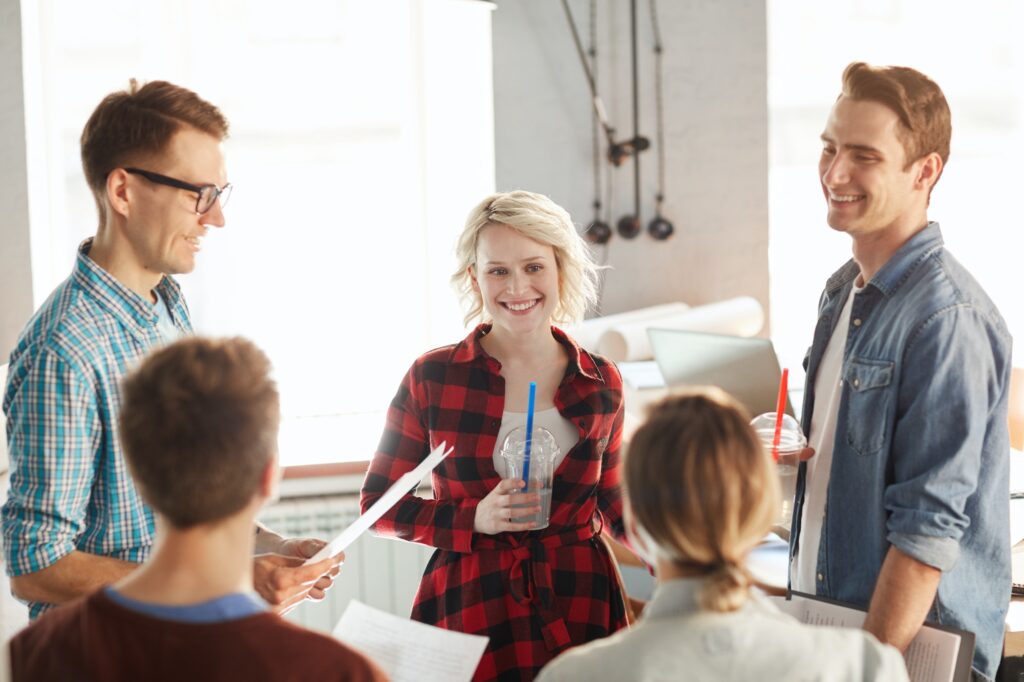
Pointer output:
x,y
746,368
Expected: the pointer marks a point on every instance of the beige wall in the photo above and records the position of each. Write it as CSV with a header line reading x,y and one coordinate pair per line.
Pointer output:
x,y
15,253
716,137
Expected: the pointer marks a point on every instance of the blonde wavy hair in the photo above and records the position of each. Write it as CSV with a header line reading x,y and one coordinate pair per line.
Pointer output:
x,y
701,485
537,217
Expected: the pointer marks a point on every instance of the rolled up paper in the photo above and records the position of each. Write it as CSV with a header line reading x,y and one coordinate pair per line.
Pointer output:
x,y
628,342
588,332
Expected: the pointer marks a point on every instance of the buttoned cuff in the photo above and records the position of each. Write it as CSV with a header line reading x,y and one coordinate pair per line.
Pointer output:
x,y
940,553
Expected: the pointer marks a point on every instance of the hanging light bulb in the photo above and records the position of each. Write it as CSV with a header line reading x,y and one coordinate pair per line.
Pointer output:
x,y
628,226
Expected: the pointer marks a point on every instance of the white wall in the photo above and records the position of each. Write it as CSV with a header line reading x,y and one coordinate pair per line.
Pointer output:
x,y
15,253
716,137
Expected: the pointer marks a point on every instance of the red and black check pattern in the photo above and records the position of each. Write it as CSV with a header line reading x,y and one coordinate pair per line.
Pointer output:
x,y
534,594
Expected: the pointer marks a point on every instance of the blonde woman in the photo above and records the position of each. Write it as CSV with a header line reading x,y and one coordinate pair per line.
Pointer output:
x,y
700,495
522,267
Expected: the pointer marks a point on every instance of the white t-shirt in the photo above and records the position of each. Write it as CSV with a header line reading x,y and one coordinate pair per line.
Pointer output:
x,y
565,432
828,390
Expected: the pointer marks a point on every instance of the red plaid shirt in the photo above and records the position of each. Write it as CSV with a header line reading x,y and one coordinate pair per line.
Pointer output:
x,y
534,594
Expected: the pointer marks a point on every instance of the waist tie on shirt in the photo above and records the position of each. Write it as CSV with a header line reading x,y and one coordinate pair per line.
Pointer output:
x,y
529,577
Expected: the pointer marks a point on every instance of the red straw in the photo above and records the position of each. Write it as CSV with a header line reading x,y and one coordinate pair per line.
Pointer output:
x,y
779,409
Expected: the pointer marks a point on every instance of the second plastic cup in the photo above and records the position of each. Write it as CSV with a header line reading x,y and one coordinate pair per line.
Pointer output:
x,y
791,443
543,452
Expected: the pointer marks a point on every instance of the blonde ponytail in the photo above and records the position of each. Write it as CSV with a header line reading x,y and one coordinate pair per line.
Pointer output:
x,y
699,482
726,588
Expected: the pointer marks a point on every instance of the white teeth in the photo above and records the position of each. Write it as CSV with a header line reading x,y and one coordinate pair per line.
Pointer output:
x,y
519,307
844,198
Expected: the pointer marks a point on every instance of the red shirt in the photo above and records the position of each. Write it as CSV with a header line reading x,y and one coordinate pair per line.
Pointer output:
x,y
93,638
534,594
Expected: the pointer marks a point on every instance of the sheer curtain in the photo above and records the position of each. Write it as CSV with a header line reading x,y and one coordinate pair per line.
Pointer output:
x,y
361,135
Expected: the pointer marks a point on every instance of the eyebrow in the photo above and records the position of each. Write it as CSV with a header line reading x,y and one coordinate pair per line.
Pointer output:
x,y
855,147
525,260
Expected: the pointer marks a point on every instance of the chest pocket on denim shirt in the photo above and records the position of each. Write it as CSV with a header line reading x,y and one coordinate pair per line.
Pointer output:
x,y
867,422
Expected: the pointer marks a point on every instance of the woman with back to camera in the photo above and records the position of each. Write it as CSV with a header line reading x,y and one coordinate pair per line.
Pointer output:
x,y
700,494
522,266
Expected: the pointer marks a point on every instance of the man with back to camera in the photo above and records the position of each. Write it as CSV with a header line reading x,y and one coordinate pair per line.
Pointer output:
x,y
905,507
73,521
199,427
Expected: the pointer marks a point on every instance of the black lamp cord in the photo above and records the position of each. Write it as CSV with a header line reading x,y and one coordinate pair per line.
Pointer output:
x,y
659,108
597,160
595,121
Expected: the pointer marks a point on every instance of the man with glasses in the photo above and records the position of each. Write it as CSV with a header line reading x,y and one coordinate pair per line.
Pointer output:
x,y
74,521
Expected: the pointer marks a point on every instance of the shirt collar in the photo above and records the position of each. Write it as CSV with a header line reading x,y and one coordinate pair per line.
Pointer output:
x,y
580,361
675,598
131,309
906,259
914,251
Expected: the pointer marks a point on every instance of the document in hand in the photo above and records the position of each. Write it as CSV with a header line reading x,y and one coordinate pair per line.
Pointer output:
x,y
937,654
386,501
409,651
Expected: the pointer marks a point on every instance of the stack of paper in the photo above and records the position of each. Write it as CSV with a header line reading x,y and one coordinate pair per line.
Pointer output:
x,y
936,655
409,651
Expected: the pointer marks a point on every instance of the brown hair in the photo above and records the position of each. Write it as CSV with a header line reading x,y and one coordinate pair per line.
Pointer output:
x,y
198,424
140,121
915,99
700,484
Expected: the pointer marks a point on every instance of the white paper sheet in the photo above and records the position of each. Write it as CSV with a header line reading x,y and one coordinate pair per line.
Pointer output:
x,y
409,651
386,501
640,375
931,657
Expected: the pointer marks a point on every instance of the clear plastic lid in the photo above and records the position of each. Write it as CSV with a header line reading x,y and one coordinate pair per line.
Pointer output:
x,y
543,446
790,437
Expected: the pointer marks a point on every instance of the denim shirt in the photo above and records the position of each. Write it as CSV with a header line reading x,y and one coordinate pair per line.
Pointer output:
x,y
921,453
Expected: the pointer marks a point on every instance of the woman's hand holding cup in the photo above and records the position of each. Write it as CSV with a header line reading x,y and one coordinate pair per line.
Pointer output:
x,y
500,510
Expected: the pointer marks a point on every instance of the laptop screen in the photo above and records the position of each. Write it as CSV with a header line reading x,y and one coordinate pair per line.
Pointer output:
x,y
746,368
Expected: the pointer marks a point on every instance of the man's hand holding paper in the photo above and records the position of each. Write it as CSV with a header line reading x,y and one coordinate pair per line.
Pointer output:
x,y
286,577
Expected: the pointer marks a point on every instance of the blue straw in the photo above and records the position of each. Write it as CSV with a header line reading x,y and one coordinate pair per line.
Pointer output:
x,y
529,434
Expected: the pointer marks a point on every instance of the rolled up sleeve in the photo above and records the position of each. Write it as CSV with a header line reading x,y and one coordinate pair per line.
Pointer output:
x,y
52,432
950,381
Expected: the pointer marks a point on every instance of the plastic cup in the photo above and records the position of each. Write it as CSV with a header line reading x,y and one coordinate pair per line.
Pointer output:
x,y
791,442
543,452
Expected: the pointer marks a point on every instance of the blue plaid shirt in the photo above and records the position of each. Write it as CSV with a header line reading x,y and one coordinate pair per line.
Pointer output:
x,y
70,488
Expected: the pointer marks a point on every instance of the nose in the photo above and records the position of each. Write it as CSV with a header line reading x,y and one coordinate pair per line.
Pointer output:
x,y
834,171
516,282
214,217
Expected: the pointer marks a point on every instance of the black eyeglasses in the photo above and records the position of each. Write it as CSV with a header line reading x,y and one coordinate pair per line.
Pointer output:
x,y
206,195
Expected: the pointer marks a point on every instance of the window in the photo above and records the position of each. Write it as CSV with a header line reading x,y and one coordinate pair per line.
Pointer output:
x,y
375,116
977,59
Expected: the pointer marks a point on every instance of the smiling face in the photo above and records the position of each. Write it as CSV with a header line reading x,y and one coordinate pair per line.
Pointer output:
x,y
161,225
867,183
517,278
